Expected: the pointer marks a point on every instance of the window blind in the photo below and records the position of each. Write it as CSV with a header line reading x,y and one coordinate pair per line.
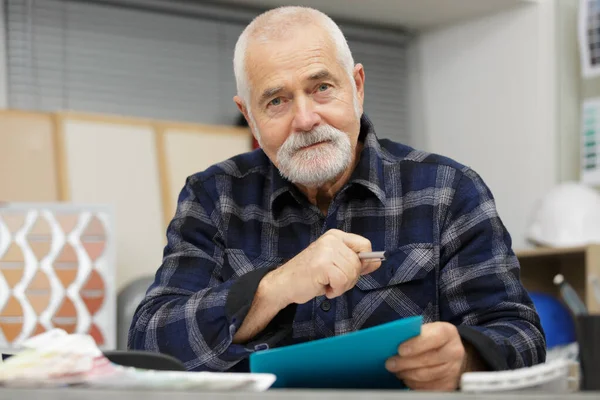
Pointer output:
x,y
164,60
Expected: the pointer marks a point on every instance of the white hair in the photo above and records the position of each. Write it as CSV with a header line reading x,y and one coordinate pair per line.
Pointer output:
x,y
275,24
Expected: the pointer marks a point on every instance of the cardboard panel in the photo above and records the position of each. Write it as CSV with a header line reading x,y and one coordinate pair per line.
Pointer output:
x,y
28,169
114,163
187,151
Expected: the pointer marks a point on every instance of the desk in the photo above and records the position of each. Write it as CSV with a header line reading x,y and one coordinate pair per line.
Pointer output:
x,y
90,394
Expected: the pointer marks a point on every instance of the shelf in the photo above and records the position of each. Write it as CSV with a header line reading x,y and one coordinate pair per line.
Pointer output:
x,y
539,266
549,251
416,15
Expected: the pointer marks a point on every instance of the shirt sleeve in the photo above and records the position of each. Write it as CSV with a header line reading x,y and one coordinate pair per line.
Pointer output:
x,y
480,287
189,311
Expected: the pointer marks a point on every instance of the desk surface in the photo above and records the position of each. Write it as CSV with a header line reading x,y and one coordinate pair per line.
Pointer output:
x,y
90,394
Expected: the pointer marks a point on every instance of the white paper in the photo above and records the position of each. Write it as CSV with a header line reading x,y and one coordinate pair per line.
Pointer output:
x,y
550,377
57,359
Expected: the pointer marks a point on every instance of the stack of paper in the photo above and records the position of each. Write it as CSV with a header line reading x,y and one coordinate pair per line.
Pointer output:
x,y
55,359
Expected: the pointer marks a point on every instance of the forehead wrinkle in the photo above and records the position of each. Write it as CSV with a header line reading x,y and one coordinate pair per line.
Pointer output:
x,y
274,59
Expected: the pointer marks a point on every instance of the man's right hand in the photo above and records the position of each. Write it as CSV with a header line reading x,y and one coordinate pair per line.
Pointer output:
x,y
329,266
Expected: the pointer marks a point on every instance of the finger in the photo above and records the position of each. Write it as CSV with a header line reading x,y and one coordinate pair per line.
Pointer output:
x,y
427,359
427,374
348,261
355,242
452,353
362,267
439,385
337,282
369,266
433,336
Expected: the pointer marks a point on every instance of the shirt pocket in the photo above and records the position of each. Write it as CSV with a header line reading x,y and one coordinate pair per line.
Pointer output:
x,y
408,263
404,285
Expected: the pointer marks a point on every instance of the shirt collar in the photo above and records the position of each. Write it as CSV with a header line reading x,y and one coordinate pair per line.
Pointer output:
x,y
368,172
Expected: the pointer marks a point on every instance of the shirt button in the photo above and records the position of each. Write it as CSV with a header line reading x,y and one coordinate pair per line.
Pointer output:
x,y
325,305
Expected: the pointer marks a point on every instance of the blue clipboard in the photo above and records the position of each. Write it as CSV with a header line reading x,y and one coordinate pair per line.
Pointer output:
x,y
355,360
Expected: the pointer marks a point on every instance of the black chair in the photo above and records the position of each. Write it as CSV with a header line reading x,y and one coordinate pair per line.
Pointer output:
x,y
140,359
145,360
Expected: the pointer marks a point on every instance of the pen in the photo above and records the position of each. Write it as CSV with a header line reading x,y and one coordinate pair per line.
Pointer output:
x,y
372,255
569,296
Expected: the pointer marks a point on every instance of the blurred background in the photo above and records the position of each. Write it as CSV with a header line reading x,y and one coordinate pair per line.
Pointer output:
x,y
108,105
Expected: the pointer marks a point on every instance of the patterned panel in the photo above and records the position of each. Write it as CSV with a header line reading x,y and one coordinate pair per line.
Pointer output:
x,y
92,292
93,238
38,292
13,222
66,316
66,265
39,238
67,222
11,319
96,334
12,265
57,270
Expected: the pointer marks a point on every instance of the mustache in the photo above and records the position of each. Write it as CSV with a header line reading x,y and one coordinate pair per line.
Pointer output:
x,y
313,167
322,133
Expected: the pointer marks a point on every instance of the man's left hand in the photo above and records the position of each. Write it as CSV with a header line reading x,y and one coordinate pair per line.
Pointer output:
x,y
434,360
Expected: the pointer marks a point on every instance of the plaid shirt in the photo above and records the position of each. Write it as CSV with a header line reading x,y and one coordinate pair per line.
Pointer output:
x,y
449,258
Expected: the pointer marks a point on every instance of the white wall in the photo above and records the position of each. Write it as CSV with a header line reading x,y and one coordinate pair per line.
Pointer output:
x,y
569,89
3,88
483,93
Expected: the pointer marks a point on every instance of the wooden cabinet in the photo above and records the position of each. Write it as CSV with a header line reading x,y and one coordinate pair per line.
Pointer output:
x,y
576,264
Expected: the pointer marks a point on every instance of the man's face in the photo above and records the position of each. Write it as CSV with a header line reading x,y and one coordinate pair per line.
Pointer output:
x,y
305,107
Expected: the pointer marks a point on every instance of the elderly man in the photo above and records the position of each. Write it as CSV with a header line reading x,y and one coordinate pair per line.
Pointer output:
x,y
263,249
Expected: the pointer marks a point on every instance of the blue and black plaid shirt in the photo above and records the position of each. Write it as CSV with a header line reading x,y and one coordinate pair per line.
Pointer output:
x,y
449,258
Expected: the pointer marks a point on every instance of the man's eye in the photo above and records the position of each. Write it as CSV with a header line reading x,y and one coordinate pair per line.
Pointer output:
x,y
275,102
323,87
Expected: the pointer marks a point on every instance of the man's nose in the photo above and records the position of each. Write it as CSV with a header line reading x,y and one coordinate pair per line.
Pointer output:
x,y
305,117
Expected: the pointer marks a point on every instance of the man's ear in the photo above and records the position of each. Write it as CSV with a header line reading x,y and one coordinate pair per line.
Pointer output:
x,y
242,107
359,81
